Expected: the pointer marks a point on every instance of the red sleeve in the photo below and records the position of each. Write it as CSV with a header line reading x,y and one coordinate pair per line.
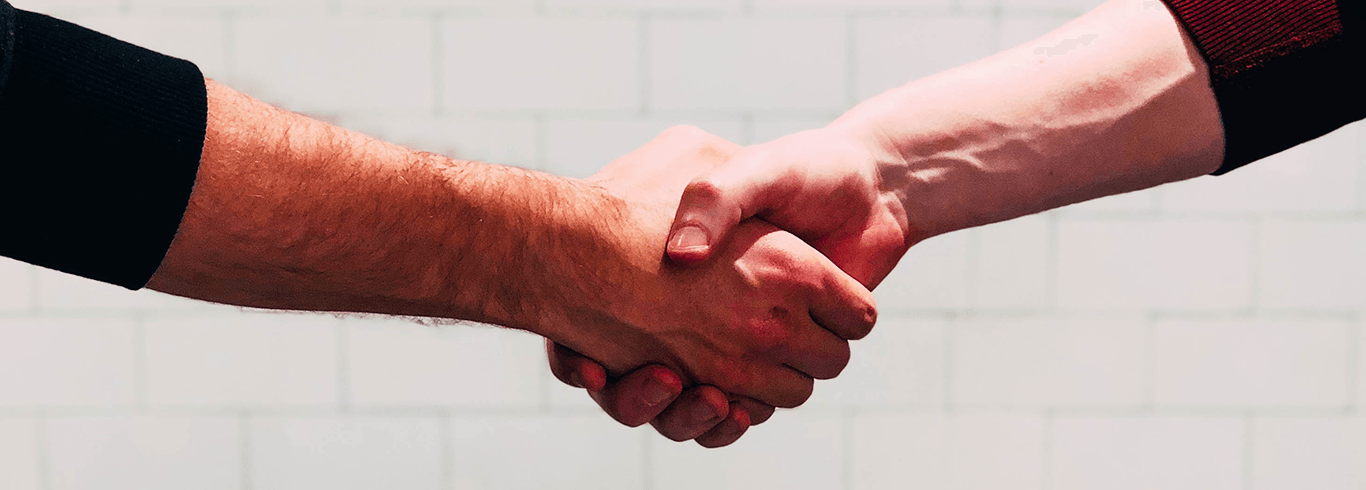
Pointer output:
x,y
1284,71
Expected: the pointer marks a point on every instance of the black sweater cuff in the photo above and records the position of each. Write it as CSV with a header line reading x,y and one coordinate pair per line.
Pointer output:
x,y
1284,71
100,143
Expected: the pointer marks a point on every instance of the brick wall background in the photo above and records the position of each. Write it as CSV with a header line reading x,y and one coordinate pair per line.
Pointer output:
x,y
1204,336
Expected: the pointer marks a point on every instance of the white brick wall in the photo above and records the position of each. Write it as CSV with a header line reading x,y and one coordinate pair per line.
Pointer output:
x,y
19,454
1313,263
1201,336
1012,265
795,451
540,63
1257,363
550,450
748,65
361,452
1028,362
330,65
1166,264
932,276
54,363
955,39
166,451
408,365
1309,452
250,360
901,364
1125,453
1298,180
957,452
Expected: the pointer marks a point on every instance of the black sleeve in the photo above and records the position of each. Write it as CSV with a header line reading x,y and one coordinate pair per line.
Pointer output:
x,y
1284,71
100,144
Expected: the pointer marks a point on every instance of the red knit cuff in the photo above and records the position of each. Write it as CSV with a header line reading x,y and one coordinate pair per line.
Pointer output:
x,y
1284,71
1238,35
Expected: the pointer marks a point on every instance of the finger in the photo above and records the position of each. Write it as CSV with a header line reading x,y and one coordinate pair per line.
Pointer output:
x,y
844,306
574,369
639,396
779,386
715,202
814,350
694,413
759,412
728,431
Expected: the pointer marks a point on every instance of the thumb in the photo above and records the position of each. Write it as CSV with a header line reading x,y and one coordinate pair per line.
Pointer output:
x,y
715,202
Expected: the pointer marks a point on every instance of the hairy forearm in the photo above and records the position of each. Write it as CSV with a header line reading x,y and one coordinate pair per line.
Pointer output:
x,y
1116,101
291,213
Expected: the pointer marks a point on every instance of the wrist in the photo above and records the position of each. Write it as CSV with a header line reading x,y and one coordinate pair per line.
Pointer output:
x,y
882,127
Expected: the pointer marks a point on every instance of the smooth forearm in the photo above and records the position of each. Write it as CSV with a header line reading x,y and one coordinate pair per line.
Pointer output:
x,y
1115,101
292,213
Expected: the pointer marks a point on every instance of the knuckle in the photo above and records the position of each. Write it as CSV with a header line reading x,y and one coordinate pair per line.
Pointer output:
x,y
704,191
868,319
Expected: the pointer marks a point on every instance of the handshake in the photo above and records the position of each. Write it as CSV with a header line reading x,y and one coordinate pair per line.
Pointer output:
x,y
692,283
753,266
770,256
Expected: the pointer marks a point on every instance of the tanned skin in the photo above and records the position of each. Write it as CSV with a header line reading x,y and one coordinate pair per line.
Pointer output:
x,y
292,213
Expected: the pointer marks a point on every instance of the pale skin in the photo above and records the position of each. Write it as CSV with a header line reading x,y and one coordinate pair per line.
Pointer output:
x,y
1024,131
291,213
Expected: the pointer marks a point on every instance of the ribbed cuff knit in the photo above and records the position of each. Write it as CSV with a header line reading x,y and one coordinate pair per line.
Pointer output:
x,y
1284,71
100,144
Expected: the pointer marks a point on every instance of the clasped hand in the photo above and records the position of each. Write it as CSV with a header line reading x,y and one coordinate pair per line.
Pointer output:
x,y
758,312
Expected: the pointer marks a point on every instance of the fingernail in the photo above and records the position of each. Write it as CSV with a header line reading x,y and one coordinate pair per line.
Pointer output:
x,y
656,393
689,238
703,413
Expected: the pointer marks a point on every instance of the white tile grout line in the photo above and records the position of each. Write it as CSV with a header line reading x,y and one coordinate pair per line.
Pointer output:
x,y
447,453
1249,449
848,416
644,75
44,468
244,449
1355,366
647,460
1049,420
438,66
